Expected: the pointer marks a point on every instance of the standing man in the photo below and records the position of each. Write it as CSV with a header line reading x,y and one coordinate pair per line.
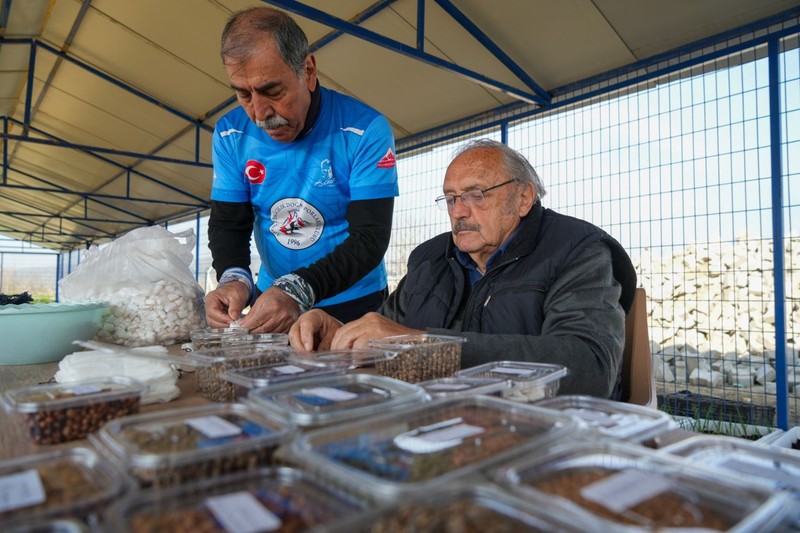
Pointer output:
x,y
309,172
518,281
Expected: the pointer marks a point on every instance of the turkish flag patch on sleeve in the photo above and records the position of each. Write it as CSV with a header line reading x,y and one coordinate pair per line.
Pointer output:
x,y
387,161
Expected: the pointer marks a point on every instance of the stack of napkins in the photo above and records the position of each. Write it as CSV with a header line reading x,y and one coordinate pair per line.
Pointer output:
x,y
159,376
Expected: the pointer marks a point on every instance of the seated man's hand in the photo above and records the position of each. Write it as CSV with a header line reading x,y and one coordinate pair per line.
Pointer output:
x,y
225,303
273,312
356,334
314,330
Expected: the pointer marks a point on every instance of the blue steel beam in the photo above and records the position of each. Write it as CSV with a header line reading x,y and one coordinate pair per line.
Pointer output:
x,y
390,44
495,50
102,75
122,153
73,219
372,10
130,169
776,155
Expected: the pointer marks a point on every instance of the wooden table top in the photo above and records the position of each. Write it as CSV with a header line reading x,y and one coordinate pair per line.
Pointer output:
x,y
15,439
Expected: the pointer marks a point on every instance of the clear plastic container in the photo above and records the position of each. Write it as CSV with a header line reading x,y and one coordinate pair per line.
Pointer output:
x,y
212,363
205,338
51,525
530,382
462,386
624,421
61,412
420,357
313,403
274,499
424,446
478,508
367,360
631,487
281,339
246,379
776,468
75,482
171,447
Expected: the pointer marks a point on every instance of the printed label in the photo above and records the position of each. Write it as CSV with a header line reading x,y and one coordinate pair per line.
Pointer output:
x,y
80,390
288,369
331,393
448,386
214,427
21,490
241,512
522,372
625,490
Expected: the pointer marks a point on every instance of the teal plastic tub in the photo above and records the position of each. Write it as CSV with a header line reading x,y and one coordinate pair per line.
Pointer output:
x,y
42,333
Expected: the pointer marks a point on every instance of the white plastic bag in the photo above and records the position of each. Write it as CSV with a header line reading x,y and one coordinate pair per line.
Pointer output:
x,y
145,277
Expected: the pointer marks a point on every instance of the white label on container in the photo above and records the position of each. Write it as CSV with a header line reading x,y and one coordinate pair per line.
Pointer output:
x,y
626,489
448,386
331,393
781,474
516,371
288,369
241,512
436,437
21,490
84,389
214,427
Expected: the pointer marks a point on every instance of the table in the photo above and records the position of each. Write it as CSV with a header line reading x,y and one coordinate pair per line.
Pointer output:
x,y
14,438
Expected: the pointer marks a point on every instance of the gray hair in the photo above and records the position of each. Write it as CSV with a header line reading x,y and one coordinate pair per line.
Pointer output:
x,y
245,29
516,165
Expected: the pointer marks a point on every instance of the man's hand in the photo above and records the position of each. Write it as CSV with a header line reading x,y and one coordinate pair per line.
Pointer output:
x,y
225,303
273,312
356,334
314,330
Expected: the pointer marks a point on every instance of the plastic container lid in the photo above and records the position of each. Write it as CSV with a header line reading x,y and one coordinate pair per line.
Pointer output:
x,y
170,447
74,482
421,357
277,373
349,359
474,509
530,382
624,421
335,398
281,339
464,386
775,467
626,485
60,412
212,337
271,499
424,446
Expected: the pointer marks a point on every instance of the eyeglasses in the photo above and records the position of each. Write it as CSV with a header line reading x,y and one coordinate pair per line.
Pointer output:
x,y
469,199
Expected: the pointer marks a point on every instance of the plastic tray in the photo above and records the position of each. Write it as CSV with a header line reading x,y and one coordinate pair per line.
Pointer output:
x,y
172,447
775,467
628,486
420,357
463,386
276,499
311,403
624,421
476,509
203,339
530,382
75,482
62,412
424,446
248,378
280,339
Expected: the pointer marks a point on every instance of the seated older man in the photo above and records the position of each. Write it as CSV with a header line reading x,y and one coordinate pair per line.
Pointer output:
x,y
518,281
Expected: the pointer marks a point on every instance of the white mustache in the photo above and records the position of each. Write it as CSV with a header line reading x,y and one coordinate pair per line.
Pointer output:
x,y
275,121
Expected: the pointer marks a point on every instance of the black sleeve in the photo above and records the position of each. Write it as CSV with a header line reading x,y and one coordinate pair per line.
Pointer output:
x,y
229,229
370,226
